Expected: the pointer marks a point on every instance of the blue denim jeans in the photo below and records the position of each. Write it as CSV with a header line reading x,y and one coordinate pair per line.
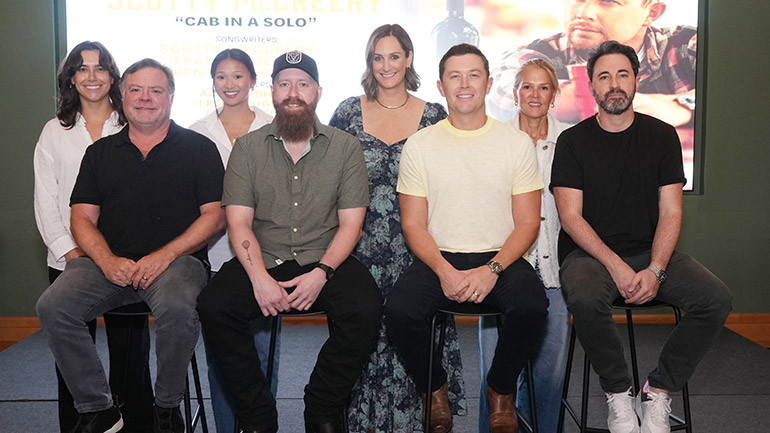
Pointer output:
x,y
82,293
547,367
224,416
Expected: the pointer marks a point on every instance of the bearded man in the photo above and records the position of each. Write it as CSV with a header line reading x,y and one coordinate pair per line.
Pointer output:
x,y
295,195
617,179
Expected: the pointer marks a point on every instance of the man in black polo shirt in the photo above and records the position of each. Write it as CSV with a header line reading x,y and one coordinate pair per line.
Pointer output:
x,y
145,203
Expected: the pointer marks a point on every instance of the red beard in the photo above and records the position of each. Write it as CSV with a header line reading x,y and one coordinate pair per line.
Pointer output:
x,y
293,125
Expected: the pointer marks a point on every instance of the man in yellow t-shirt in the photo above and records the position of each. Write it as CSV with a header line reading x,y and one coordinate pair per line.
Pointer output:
x,y
470,207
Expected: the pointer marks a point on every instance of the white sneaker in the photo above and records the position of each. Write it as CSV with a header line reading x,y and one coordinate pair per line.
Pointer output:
x,y
621,417
653,408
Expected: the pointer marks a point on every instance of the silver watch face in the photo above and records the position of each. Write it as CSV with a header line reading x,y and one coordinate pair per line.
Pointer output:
x,y
496,267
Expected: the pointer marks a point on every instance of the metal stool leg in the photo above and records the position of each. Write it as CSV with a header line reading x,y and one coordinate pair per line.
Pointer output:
x,y
584,397
632,346
564,404
187,406
200,412
532,408
271,352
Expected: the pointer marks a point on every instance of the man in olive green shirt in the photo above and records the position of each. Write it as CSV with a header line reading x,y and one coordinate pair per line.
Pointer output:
x,y
295,196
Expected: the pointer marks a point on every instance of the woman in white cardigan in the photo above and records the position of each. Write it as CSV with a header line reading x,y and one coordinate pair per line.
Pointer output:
x,y
535,89
88,108
234,76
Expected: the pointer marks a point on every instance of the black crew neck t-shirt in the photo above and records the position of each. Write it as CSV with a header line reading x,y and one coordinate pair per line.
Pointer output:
x,y
620,174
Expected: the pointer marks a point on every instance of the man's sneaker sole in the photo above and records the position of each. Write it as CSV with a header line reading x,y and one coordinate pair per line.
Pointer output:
x,y
116,428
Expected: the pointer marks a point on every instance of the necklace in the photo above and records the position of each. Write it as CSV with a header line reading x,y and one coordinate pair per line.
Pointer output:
x,y
392,107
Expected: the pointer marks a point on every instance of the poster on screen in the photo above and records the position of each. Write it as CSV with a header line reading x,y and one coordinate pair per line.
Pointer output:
x,y
187,34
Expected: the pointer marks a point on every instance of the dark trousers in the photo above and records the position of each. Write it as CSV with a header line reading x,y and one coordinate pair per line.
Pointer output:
x,y
129,381
417,295
350,299
590,291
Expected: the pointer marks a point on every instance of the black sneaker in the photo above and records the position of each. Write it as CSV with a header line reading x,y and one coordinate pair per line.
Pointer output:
x,y
103,421
168,420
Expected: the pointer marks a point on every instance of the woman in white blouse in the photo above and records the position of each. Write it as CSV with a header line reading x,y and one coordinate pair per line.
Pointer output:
x,y
234,77
88,109
535,90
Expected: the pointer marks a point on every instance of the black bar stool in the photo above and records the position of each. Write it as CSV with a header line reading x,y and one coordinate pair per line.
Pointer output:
x,y
271,354
191,419
679,423
470,309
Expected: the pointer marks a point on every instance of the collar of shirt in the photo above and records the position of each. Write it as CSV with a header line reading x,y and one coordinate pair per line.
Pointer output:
x,y
274,135
173,132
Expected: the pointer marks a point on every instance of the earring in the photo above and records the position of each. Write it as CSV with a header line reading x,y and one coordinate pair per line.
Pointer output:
x,y
516,103
553,105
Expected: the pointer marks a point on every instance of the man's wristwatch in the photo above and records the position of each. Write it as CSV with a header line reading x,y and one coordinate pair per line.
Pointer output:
x,y
660,274
326,268
496,267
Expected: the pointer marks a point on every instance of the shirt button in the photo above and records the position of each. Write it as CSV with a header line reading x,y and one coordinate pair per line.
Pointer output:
x,y
542,218
296,177
545,147
294,230
294,253
546,256
296,204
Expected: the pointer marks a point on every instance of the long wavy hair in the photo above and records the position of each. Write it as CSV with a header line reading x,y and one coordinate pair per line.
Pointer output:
x,y
68,98
411,79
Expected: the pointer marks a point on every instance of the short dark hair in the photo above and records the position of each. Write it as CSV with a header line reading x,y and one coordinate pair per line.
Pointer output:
x,y
68,98
411,79
612,47
149,63
461,50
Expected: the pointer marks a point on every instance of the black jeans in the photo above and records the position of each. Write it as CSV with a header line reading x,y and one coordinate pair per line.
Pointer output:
x,y
417,295
136,399
590,291
350,299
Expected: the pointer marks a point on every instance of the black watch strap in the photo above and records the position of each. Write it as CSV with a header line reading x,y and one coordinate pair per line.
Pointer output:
x,y
495,267
326,268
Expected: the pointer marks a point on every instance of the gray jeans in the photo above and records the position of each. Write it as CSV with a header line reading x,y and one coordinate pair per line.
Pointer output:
x,y
82,293
590,292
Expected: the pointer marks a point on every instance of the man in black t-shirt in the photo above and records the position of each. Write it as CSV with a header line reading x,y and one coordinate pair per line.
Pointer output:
x,y
144,205
617,178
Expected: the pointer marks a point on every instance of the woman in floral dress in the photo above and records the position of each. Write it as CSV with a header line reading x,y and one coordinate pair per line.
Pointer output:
x,y
385,399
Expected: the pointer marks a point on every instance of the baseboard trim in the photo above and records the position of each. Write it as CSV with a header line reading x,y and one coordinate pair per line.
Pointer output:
x,y
755,326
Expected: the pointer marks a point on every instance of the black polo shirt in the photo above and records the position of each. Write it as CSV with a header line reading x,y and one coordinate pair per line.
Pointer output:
x,y
147,202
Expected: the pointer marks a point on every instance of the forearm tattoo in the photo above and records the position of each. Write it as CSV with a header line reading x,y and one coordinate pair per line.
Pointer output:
x,y
246,246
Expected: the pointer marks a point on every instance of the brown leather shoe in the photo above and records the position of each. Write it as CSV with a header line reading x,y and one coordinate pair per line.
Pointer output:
x,y
502,413
440,415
